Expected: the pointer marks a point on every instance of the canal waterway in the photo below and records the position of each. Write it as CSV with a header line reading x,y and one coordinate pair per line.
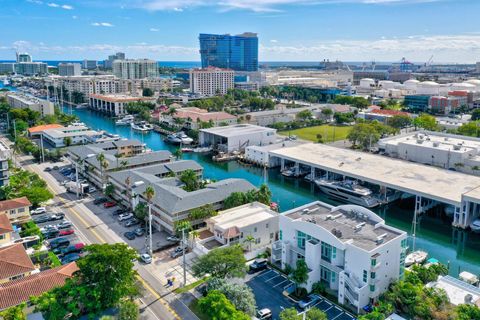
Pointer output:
x,y
460,249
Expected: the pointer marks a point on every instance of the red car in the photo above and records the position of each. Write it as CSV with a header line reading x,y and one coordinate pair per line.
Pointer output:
x,y
109,204
66,232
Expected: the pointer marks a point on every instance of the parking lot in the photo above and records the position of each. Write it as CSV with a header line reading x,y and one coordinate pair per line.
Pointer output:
x,y
268,287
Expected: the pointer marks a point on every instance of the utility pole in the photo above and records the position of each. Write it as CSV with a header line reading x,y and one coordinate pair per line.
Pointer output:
x,y
150,228
184,260
76,177
15,129
41,148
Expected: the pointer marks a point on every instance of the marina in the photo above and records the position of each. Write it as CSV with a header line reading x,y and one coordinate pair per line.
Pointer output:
x,y
460,249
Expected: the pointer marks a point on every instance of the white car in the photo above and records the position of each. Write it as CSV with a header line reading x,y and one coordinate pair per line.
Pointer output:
x,y
146,258
125,216
173,239
48,228
39,210
64,225
92,189
264,313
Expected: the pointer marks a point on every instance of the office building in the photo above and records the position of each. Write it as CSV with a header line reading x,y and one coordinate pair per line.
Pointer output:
x,y
24,57
135,69
239,52
89,64
69,69
7,68
108,64
211,81
31,68
23,101
236,137
446,104
114,104
417,102
347,248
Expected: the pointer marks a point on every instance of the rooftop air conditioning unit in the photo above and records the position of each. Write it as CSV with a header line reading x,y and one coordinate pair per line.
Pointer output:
x,y
138,183
380,238
329,217
306,211
436,144
456,147
359,226
419,141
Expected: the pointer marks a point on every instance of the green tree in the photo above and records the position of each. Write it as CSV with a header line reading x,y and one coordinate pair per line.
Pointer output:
x,y
217,307
399,121
240,295
363,134
467,312
14,313
249,240
147,92
264,195
470,129
109,190
290,314
475,115
299,276
304,115
225,262
178,153
141,211
190,179
128,310
426,121
316,314
342,118
67,141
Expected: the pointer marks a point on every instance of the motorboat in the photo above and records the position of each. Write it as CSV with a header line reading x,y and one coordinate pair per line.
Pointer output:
x,y
128,119
141,126
475,226
348,191
309,177
187,150
82,106
291,172
288,173
416,257
449,210
78,124
179,138
6,83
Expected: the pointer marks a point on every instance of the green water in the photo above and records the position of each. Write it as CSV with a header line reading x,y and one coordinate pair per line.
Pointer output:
x,y
434,232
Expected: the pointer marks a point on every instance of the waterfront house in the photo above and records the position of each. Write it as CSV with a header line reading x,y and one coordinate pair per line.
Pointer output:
x,y
347,248
192,118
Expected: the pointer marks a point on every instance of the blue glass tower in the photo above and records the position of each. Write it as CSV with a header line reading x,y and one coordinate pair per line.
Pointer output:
x,y
239,52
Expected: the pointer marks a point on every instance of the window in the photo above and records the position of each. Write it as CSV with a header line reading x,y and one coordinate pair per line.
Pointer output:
x,y
271,235
255,229
266,226
326,252
21,210
2,236
334,252
301,239
257,241
280,235
333,278
325,275
365,276
372,275
372,288
373,262
404,243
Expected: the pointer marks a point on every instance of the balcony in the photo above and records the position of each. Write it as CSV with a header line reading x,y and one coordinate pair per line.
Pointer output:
x,y
277,251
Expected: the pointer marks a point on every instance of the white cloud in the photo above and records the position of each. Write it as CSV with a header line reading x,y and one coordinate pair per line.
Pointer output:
x,y
257,5
35,1
67,7
53,5
102,24
74,17
154,29
273,41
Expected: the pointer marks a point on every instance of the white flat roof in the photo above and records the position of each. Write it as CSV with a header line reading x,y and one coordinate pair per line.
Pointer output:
x,y
456,289
429,182
445,141
237,129
243,216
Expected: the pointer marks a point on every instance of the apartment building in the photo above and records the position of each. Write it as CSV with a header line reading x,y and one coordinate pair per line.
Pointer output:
x,y
192,118
347,248
7,67
136,86
71,135
211,81
31,68
69,69
89,64
4,173
16,209
23,101
88,85
135,69
114,104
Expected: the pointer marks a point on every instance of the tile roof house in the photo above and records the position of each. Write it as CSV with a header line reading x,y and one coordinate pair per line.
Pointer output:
x,y
17,291
16,208
14,263
6,229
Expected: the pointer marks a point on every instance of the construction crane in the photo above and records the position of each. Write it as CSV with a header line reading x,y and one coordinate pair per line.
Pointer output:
x,y
429,62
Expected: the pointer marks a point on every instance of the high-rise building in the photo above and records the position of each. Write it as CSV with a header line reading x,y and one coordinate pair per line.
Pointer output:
x,y
69,69
7,68
239,52
24,57
211,81
135,69
108,64
31,68
89,64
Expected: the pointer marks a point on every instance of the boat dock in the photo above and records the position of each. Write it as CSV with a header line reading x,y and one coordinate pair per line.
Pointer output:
x,y
428,184
161,130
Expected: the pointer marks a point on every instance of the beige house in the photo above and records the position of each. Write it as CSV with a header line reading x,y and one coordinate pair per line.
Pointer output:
x,y
16,209
14,263
6,230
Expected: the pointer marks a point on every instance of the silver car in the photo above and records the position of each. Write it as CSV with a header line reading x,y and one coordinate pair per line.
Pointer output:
x,y
309,301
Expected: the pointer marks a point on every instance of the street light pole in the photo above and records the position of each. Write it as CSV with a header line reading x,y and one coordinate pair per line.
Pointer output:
x,y
150,228
76,177
184,260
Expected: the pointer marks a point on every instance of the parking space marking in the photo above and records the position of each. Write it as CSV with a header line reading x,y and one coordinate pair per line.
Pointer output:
x,y
265,274
275,276
281,283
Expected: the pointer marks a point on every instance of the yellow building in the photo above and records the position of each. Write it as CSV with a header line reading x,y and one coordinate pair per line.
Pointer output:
x,y
14,263
6,230
16,209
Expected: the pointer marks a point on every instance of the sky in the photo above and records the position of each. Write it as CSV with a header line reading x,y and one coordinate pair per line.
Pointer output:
x,y
288,30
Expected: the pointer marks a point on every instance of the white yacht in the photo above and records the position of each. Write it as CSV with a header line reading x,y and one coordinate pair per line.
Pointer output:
x,y
179,138
142,126
128,119
475,226
348,191
416,257
78,124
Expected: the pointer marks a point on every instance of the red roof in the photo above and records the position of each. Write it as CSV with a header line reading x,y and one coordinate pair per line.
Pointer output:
x,y
5,225
17,291
202,114
390,112
14,204
14,261
44,127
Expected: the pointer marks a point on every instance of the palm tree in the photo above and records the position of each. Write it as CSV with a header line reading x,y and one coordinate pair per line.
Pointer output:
x,y
249,240
264,194
104,166
117,156
128,183
149,194
101,159
178,153
190,179
123,164
194,234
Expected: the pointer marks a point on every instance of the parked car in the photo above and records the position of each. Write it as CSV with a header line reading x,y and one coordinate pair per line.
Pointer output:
x,y
75,248
64,225
47,169
264,313
139,232
59,243
109,204
64,170
309,301
132,222
55,167
51,234
64,182
177,252
66,232
92,189
258,265
71,257
129,235
57,216
41,219
39,210
173,239
125,216
100,200
48,228
119,211
146,258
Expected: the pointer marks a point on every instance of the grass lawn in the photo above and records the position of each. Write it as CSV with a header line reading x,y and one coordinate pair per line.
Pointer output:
x,y
190,286
329,133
